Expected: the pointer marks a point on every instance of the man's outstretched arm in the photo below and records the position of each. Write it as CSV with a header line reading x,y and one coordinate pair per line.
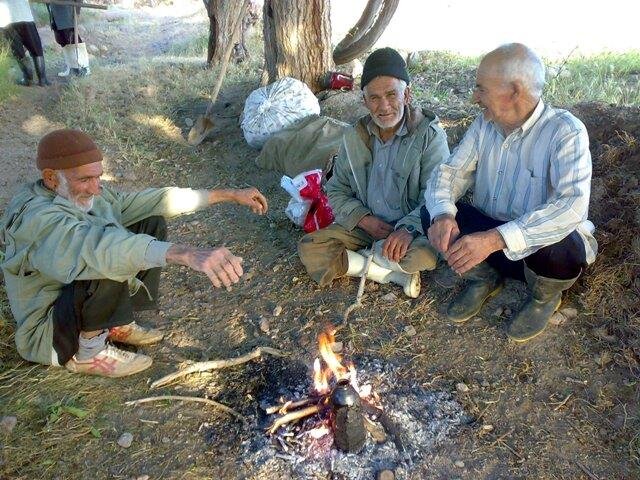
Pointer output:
x,y
249,197
221,266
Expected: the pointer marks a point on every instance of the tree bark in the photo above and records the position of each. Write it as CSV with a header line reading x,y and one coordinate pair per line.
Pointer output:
x,y
221,14
376,16
297,40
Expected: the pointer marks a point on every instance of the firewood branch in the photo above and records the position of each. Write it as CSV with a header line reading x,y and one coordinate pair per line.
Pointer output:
x,y
217,364
292,405
218,405
293,416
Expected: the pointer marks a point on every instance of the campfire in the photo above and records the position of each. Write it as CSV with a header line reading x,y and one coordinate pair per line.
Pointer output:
x,y
344,410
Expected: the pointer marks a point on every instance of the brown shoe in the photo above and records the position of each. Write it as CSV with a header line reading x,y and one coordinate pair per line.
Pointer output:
x,y
134,334
111,362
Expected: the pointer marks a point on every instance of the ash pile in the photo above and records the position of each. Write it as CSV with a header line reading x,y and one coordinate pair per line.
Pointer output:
x,y
402,432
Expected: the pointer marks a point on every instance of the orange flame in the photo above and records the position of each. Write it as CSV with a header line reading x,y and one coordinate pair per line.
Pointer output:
x,y
333,367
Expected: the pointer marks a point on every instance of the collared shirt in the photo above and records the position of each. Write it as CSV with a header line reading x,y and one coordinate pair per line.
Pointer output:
x,y
382,197
537,179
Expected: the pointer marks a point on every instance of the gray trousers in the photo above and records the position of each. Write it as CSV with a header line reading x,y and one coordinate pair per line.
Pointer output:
x,y
324,252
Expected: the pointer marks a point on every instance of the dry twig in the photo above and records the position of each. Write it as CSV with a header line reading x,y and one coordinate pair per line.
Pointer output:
x,y
290,417
218,405
217,364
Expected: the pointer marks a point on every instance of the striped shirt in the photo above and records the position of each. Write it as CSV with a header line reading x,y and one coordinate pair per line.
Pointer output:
x,y
537,180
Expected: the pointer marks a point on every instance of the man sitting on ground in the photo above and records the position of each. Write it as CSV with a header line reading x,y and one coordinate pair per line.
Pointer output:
x,y
378,183
529,167
81,257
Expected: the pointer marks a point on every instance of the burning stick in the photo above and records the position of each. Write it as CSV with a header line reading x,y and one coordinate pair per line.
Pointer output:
x,y
216,364
290,405
363,279
291,417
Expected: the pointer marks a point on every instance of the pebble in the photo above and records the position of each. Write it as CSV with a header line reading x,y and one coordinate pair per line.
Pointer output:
x,y
385,475
462,388
104,48
188,122
487,427
142,477
390,297
277,311
125,440
264,325
8,423
569,313
557,319
498,312
166,440
410,330
336,347
459,464
92,49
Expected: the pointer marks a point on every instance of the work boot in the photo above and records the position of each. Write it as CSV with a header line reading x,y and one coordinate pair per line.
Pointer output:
x,y
38,63
482,282
134,334
545,295
110,362
410,282
27,74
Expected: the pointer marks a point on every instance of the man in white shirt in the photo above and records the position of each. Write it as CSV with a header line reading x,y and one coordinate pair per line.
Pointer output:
x,y
529,168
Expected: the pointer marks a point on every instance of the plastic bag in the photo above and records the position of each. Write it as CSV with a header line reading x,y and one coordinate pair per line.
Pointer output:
x,y
275,107
309,206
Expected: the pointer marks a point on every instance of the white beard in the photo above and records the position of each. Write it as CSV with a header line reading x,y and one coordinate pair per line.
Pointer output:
x,y
63,191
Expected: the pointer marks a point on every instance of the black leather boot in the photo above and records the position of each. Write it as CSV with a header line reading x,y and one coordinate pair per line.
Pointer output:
x,y
544,299
482,281
38,63
27,74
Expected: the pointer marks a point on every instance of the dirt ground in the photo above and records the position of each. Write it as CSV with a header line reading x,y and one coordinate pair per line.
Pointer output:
x,y
564,406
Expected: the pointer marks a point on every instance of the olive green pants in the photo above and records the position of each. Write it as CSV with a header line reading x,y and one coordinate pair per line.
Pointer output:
x,y
324,252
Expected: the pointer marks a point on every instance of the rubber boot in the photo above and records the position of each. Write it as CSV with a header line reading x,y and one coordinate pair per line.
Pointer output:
x,y
68,52
27,74
545,295
410,282
38,63
482,282
83,60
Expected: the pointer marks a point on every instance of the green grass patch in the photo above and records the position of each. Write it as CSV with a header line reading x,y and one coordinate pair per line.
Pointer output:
x,y
607,77
444,77
7,86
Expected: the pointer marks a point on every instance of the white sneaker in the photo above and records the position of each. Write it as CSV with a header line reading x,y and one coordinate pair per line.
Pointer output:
x,y
111,362
134,334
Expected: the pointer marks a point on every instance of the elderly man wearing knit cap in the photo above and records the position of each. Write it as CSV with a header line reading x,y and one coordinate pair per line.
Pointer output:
x,y
378,183
81,257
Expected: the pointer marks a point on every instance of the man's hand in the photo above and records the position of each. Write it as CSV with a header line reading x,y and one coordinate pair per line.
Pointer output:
x,y
219,264
443,232
396,245
470,250
252,198
249,197
375,227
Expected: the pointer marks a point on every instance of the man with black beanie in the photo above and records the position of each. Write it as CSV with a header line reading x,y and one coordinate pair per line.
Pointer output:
x,y
378,183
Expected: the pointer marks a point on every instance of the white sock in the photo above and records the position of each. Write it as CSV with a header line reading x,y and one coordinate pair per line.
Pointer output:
x,y
90,347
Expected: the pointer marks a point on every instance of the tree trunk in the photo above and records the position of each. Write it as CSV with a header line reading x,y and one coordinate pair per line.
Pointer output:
x,y
375,18
297,40
221,15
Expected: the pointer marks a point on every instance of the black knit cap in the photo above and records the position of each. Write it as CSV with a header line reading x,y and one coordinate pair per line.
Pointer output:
x,y
384,62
